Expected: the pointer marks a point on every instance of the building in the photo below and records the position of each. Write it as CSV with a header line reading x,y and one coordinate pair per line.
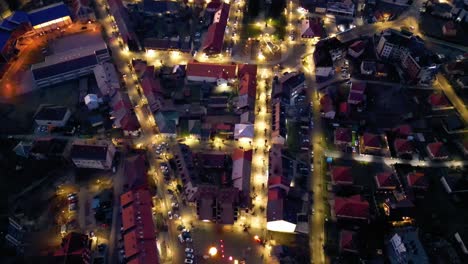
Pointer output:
x,y
403,147
348,243
449,29
107,78
373,144
174,43
213,43
351,208
403,131
138,230
463,82
356,93
284,209
92,154
48,149
136,171
120,14
343,8
437,151
404,246
417,180
123,115
438,101
50,17
15,234
247,85
327,107
244,132
92,101
386,181
278,123
409,51
357,48
312,28
455,184
341,175
368,67
343,137
167,127
81,10
241,170
75,249
210,72
152,89
160,7
219,205
72,57
323,61
11,29
52,116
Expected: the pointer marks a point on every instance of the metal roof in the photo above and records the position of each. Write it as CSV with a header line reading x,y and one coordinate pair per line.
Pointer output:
x,y
48,13
63,67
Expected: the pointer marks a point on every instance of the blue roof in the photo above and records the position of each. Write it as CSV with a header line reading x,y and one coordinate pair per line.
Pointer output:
x,y
8,25
19,17
4,37
48,13
63,67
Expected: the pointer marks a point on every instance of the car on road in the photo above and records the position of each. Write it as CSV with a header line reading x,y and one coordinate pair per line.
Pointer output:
x,y
190,261
169,214
188,250
190,256
181,239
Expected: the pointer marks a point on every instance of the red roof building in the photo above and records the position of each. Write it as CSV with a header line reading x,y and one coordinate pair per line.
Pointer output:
x,y
347,241
210,72
213,43
386,181
279,181
75,248
327,107
438,101
343,109
312,28
437,151
417,180
403,147
342,175
213,5
353,208
138,228
403,130
135,169
241,169
343,136
357,48
371,143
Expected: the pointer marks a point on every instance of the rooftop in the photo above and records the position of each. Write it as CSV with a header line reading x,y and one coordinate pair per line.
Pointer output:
x,y
342,175
48,13
51,113
212,70
343,135
91,151
354,207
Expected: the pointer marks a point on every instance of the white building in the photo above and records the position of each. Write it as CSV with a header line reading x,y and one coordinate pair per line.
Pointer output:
x,y
92,154
107,78
91,101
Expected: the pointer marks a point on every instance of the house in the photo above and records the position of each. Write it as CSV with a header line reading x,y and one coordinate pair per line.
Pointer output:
x,y
341,175
247,86
278,124
398,206
152,89
343,137
283,209
107,78
219,205
417,180
327,107
437,151
449,29
122,20
91,101
348,243
123,115
372,143
244,132
351,208
323,61
213,43
357,48
403,147
343,109
210,72
75,248
404,246
386,181
312,28
356,93
368,67
92,154
241,170
438,101
342,8
136,171
403,131
247,117
194,128
138,230
54,116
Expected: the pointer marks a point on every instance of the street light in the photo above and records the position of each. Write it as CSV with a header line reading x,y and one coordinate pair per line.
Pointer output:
x,y
213,251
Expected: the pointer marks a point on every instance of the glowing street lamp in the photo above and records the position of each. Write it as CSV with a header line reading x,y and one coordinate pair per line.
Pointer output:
x,y
213,251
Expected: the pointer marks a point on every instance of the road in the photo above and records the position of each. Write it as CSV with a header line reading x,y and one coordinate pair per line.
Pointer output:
x,y
443,84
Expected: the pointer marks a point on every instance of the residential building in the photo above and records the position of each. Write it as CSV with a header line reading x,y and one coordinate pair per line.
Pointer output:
x,y
409,51
403,147
368,67
343,8
123,114
437,151
284,209
219,205
136,171
73,56
213,43
351,208
386,181
166,126
357,93
210,72
438,101
341,175
323,61
74,249
244,132
92,154
107,78
241,170
398,206
357,48
125,29
174,43
82,11
152,89
53,116
373,144
343,137
247,86
348,243
403,131
138,230
312,28
160,8
404,246
327,107
455,184
417,180
48,149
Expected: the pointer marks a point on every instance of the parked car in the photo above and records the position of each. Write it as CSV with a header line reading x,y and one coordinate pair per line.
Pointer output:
x,y
190,256
188,261
188,250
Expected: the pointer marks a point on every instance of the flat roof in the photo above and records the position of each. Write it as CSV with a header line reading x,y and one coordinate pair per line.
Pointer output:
x,y
48,13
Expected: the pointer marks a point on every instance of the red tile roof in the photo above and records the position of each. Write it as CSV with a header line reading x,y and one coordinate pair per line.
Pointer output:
x,y
358,46
129,122
355,97
371,140
403,130
314,28
403,146
278,180
150,85
211,70
343,135
74,244
386,180
130,244
358,87
344,108
224,127
248,85
437,150
214,39
213,5
438,100
247,68
417,180
354,207
347,242
241,154
326,104
342,175
276,194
